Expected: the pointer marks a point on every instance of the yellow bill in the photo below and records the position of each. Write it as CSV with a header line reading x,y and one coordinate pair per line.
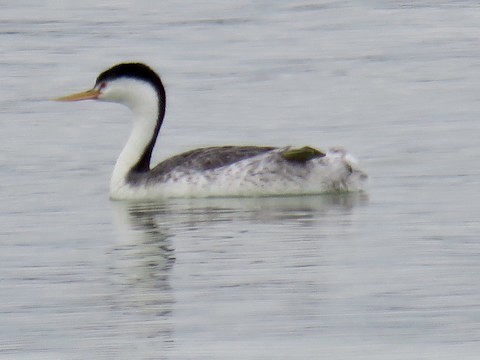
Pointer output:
x,y
84,95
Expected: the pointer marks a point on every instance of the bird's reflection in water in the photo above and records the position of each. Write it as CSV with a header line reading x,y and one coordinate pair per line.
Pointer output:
x,y
144,255
144,244
299,210
141,262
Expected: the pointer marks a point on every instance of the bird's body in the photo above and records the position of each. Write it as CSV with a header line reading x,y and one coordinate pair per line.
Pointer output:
x,y
212,171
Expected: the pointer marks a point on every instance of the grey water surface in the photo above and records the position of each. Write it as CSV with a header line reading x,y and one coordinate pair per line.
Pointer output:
x,y
392,273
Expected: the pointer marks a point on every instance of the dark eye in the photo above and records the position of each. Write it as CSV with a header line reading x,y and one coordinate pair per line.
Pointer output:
x,y
102,85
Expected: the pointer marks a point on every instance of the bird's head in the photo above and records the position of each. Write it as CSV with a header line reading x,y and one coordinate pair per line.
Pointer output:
x,y
131,84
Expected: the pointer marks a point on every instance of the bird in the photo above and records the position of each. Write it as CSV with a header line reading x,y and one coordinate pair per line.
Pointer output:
x,y
216,171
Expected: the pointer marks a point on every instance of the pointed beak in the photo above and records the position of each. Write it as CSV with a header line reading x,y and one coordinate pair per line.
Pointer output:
x,y
84,95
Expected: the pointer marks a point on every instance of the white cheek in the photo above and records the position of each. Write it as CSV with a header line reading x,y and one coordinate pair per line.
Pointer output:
x,y
139,96
112,94
129,92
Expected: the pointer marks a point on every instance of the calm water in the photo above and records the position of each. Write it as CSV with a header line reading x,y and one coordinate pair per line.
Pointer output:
x,y
388,275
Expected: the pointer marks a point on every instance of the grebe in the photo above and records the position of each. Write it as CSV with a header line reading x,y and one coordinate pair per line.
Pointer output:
x,y
211,171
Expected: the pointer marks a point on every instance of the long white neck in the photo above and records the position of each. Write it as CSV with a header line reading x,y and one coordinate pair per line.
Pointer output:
x,y
143,101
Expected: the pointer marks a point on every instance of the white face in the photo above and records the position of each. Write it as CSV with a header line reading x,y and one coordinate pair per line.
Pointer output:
x,y
140,96
135,94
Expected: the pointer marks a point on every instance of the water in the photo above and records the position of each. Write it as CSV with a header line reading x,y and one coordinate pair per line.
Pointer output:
x,y
392,274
